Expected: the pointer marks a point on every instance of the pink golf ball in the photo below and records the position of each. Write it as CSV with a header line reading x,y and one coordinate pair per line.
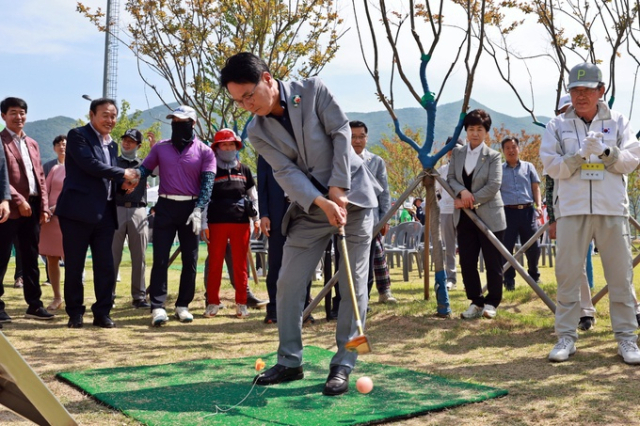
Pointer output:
x,y
364,384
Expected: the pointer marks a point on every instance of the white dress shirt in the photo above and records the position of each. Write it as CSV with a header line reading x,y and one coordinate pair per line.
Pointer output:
x,y
472,157
21,143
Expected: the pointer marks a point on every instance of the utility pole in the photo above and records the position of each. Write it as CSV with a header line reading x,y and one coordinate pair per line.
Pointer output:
x,y
110,78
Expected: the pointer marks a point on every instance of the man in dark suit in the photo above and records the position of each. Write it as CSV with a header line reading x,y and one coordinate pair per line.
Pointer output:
x,y
87,211
29,205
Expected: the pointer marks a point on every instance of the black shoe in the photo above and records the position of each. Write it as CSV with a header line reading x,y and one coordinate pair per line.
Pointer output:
x,y
104,322
142,303
510,286
75,321
270,319
278,374
39,313
309,320
4,317
338,381
332,315
255,303
586,323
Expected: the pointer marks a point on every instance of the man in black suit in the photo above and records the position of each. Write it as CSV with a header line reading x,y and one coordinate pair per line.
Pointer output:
x,y
87,211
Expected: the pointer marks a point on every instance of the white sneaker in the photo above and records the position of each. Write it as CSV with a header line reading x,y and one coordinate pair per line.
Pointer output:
x,y
242,311
211,311
472,312
387,297
183,314
563,350
451,285
260,272
489,312
159,317
629,351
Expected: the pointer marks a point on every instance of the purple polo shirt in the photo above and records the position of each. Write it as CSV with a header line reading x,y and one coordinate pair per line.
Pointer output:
x,y
180,171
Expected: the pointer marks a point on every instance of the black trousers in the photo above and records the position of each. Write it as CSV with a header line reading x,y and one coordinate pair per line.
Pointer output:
x,y
521,222
27,231
470,241
77,238
171,218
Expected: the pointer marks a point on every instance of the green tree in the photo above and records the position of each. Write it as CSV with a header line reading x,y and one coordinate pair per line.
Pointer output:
x,y
186,42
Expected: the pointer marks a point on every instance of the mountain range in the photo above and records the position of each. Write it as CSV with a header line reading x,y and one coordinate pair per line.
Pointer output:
x,y
379,123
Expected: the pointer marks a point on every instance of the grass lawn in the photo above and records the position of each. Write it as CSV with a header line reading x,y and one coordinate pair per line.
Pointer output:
x,y
593,387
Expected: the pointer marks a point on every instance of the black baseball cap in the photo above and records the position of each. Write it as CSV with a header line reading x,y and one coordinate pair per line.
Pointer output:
x,y
133,134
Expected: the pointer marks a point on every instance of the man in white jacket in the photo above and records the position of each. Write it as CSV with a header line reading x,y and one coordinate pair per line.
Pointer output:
x,y
589,150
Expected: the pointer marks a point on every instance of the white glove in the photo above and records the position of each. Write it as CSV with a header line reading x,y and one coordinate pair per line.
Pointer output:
x,y
594,143
195,219
585,150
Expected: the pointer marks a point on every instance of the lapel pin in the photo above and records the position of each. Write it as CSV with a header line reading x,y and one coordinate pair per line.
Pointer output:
x,y
296,100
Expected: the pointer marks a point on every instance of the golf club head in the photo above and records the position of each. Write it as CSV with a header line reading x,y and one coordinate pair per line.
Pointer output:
x,y
359,344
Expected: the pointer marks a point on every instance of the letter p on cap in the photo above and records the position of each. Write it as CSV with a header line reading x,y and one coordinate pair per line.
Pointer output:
x,y
581,73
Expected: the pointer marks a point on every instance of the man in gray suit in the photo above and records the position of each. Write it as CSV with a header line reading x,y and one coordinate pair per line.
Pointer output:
x,y
304,135
377,261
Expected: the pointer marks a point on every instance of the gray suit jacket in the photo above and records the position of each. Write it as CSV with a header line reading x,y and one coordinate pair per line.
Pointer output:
x,y
485,185
321,149
376,165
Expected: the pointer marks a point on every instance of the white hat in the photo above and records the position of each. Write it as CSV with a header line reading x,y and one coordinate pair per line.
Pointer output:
x,y
183,112
565,100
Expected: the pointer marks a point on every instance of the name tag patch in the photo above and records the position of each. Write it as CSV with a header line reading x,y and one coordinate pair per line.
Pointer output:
x,y
592,171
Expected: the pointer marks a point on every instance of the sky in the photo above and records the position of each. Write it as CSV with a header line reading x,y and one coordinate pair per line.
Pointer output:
x,y
52,55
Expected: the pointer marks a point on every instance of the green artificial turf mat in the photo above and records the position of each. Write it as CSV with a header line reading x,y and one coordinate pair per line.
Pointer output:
x,y
187,393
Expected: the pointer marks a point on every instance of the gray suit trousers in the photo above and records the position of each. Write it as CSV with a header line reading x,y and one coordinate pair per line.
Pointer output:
x,y
134,225
449,235
307,238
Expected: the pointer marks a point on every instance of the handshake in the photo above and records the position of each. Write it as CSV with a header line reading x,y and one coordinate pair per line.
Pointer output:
x,y
592,144
131,179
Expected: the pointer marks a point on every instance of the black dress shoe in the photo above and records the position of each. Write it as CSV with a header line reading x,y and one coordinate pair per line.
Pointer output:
x,y
104,322
332,315
338,381
75,321
140,304
270,319
4,317
278,374
254,303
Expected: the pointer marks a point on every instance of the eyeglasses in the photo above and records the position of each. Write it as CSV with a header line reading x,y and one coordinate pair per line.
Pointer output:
x,y
359,137
582,91
248,98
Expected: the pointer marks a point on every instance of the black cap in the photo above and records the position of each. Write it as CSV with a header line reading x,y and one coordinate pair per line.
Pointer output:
x,y
133,134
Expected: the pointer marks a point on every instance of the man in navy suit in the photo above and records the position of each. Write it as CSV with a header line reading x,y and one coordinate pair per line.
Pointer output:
x,y
87,211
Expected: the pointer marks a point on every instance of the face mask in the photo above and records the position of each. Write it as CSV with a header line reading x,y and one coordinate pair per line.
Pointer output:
x,y
128,154
226,156
181,132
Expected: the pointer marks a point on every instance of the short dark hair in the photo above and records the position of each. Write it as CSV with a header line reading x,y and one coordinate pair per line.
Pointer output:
x,y
59,139
509,139
241,68
102,101
355,124
477,117
11,103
